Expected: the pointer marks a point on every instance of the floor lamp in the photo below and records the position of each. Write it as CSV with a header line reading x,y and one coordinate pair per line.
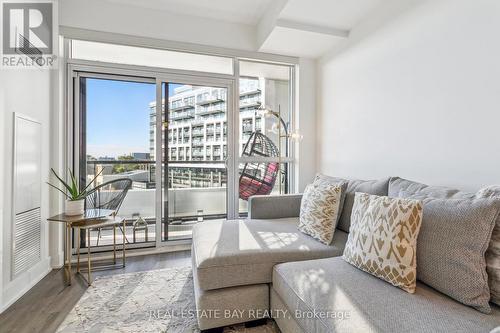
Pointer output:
x,y
283,132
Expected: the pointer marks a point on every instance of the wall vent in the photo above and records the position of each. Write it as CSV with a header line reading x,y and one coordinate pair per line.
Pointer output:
x,y
27,237
26,229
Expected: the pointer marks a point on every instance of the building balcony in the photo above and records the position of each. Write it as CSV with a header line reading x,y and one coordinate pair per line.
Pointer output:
x,y
182,106
211,111
250,104
247,128
197,154
210,100
197,122
198,132
182,115
197,143
250,92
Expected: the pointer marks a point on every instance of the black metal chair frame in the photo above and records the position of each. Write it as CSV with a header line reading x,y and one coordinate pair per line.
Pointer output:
x,y
94,199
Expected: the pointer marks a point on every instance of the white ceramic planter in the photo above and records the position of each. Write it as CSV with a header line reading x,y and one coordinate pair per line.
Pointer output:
x,y
74,207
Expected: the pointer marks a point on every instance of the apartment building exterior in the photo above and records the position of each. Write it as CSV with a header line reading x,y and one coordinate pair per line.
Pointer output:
x,y
197,132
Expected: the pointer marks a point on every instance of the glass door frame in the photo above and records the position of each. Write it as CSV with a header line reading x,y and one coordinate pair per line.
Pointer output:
x,y
74,67
162,193
77,150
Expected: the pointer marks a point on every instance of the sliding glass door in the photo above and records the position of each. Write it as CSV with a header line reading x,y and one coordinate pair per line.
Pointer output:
x,y
194,153
171,137
113,143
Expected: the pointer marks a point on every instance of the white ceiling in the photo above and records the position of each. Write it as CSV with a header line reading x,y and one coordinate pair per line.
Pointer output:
x,y
236,11
339,14
303,28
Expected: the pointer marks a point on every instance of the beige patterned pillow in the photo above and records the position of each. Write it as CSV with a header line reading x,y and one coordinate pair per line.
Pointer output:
x,y
319,210
383,238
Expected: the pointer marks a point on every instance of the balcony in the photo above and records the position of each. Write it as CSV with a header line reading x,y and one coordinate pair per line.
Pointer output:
x,y
210,100
249,104
247,128
197,153
192,195
197,132
250,92
182,115
208,111
182,106
197,143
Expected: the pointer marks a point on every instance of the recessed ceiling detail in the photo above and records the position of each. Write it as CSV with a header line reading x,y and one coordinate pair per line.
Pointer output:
x,y
303,28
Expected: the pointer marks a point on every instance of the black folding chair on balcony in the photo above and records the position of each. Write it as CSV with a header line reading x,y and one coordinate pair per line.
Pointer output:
x,y
109,195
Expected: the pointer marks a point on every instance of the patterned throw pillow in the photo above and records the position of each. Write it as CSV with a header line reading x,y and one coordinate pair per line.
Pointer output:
x,y
319,210
383,238
343,187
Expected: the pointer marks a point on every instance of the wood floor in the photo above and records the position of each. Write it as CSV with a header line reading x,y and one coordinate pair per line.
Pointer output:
x,y
46,305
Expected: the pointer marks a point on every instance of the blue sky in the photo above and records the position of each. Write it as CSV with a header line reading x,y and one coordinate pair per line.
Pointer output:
x,y
118,116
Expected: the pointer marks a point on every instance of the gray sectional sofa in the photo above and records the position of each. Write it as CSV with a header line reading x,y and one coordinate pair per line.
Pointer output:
x,y
245,270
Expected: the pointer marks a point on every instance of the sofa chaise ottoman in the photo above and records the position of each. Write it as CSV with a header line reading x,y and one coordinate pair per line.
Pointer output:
x,y
233,260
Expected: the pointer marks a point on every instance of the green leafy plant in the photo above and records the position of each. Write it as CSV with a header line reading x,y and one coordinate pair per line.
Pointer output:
x,y
72,189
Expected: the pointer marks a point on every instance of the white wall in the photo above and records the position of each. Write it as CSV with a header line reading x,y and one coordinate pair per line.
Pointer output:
x,y
418,96
27,92
307,122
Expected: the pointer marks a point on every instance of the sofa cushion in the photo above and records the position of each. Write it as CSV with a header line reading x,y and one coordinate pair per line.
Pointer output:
x,y
319,211
242,252
397,186
368,304
376,187
451,247
383,238
493,252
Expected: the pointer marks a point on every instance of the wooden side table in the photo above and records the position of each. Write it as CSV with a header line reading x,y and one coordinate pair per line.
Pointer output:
x,y
92,218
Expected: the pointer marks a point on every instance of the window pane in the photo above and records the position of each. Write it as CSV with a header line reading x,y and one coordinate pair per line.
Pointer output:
x,y
260,178
265,86
264,123
115,125
141,56
196,148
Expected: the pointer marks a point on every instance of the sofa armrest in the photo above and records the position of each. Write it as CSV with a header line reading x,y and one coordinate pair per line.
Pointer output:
x,y
274,206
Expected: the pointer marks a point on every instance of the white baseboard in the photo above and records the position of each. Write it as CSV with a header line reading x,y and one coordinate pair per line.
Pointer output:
x,y
17,288
57,261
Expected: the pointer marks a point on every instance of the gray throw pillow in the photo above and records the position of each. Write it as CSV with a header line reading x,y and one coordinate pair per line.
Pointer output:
x,y
375,187
493,252
398,185
451,246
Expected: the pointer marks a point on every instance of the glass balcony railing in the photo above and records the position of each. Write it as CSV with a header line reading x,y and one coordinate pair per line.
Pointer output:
x,y
182,115
206,111
182,106
196,190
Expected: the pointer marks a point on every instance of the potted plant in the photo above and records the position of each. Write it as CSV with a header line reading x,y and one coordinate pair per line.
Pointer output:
x,y
75,198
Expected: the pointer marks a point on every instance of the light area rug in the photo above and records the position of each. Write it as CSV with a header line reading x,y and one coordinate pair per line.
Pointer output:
x,y
152,301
